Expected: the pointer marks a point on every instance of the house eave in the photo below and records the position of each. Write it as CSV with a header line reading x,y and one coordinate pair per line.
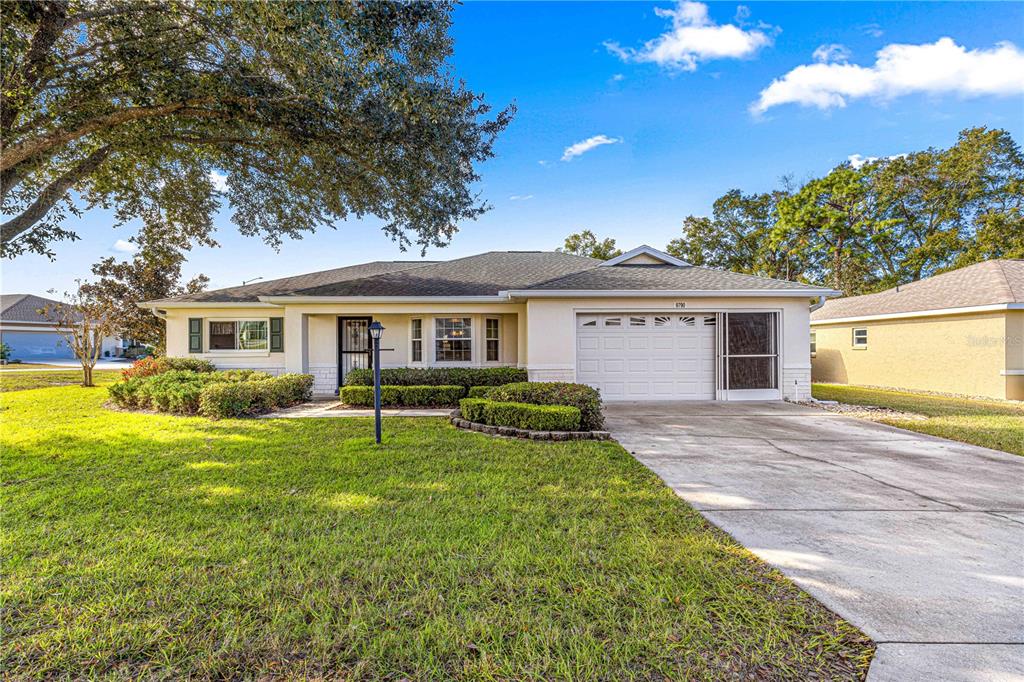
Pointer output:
x,y
658,293
151,305
291,300
938,312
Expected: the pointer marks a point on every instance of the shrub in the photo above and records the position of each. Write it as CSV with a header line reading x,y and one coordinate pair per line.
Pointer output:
x,y
222,399
532,417
403,396
175,391
126,393
438,376
478,391
585,398
473,409
147,367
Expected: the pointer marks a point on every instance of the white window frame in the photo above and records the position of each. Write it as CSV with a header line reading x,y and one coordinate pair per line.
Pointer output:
x,y
235,351
862,344
435,338
814,344
413,340
488,339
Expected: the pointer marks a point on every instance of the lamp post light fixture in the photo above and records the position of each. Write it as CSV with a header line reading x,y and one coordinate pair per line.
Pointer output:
x,y
376,329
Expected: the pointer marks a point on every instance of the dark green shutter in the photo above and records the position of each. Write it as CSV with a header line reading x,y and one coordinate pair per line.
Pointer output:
x,y
277,335
195,335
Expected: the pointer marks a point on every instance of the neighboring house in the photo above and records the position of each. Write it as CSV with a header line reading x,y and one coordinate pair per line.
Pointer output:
x,y
643,326
958,332
33,337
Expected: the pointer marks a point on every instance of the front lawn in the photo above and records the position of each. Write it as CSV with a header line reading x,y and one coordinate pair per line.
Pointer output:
x,y
20,381
989,423
31,365
147,545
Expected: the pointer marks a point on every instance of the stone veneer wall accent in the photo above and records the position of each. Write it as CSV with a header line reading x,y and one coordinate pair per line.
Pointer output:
x,y
325,379
551,374
796,383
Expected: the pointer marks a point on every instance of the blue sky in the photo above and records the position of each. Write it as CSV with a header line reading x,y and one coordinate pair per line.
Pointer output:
x,y
673,91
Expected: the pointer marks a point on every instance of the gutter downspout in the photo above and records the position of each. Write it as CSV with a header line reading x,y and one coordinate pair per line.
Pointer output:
x,y
821,302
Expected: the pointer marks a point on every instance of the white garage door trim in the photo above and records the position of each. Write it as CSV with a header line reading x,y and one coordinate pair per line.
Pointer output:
x,y
647,356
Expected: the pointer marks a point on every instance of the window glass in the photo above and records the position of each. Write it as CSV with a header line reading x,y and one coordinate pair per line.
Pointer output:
x,y
587,321
613,321
688,321
252,335
637,321
750,333
491,337
709,320
814,343
662,320
222,336
860,337
453,339
416,330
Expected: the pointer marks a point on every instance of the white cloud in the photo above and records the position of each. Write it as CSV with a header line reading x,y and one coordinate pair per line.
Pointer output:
x,y
219,181
520,197
833,52
856,160
873,30
124,246
942,67
586,145
617,77
694,38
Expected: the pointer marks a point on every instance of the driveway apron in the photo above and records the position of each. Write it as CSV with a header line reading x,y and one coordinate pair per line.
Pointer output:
x,y
918,541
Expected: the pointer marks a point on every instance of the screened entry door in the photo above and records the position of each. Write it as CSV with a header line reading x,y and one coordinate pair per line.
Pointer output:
x,y
354,350
645,356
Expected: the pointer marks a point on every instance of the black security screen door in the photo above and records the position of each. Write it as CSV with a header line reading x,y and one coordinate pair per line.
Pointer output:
x,y
353,345
751,351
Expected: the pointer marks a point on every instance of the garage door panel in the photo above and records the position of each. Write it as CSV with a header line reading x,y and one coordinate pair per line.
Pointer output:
x,y
664,358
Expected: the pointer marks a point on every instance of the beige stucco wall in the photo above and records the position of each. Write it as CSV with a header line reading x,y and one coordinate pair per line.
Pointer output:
x,y
1015,354
951,354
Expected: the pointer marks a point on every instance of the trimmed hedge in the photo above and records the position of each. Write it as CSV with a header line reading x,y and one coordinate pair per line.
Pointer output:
x,y
438,376
521,415
478,391
403,396
225,399
584,398
215,394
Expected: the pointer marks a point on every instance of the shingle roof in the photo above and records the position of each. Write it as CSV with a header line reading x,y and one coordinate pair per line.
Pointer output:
x,y
250,293
482,275
666,278
989,283
24,308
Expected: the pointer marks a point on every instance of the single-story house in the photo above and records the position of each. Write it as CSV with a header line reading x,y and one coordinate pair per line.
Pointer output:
x,y
642,326
958,332
33,336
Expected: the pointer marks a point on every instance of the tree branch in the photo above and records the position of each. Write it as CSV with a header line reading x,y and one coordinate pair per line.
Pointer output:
x,y
14,227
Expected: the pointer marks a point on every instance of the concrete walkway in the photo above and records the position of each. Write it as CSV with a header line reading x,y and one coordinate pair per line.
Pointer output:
x,y
333,408
918,541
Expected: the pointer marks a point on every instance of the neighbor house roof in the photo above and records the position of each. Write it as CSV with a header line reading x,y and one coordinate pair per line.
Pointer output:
x,y
497,273
993,282
24,308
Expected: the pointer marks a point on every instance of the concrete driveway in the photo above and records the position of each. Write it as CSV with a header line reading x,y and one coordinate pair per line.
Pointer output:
x,y
918,541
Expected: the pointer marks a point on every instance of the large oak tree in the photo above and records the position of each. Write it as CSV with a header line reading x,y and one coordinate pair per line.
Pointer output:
x,y
314,112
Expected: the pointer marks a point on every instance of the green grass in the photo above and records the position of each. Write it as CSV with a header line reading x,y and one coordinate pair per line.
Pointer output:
x,y
21,381
144,545
29,365
991,424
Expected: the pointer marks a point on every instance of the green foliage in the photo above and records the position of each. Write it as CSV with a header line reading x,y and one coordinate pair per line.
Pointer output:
x,y
403,396
247,397
585,243
532,417
147,367
473,409
438,376
5,351
584,398
176,391
313,112
478,391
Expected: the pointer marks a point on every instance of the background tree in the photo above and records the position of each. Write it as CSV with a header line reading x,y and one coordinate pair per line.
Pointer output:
x,y
314,112
83,321
586,244
153,272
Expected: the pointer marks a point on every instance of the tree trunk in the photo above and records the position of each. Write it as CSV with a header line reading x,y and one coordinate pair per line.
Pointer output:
x,y
87,376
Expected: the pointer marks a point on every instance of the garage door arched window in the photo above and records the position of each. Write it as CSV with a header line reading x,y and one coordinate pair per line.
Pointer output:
x,y
751,357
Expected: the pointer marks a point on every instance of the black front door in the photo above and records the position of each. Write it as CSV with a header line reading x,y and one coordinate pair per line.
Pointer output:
x,y
353,345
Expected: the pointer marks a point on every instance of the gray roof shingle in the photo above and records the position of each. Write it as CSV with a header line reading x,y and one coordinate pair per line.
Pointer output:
x,y
24,308
989,283
667,278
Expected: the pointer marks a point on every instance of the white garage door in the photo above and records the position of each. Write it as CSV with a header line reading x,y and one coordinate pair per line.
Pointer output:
x,y
641,356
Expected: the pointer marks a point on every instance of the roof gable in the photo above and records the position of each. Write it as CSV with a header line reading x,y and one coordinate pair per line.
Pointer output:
x,y
645,255
25,308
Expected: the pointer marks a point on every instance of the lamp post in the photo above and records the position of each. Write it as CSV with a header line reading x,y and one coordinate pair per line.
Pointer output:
x,y
376,329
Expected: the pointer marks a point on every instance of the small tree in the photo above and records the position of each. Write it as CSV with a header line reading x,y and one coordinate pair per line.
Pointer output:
x,y
585,243
83,320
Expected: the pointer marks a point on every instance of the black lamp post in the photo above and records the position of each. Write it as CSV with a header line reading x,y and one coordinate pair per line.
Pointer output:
x,y
376,329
